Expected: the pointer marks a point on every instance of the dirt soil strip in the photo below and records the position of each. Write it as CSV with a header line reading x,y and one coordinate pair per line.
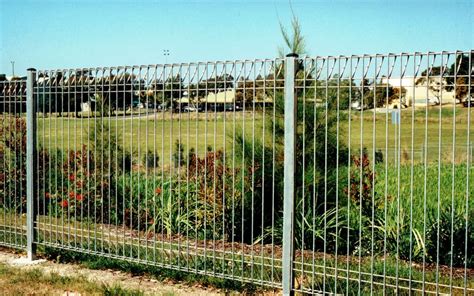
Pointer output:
x,y
148,285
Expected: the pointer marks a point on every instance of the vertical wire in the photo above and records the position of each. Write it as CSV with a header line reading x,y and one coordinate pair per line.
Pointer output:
x,y
206,71
17,203
171,172
81,150
146,227
244,97
360,173
252,223
3,91
16,193
131,151
224,164
264,91
303,164
65,204
188,166
124,180
386,174
102,152
425,173
38,171
93,159
23,163
373,178
453,173
314,65
326,171
18,185
117,169
8,119
468,163
234,64
110,154
162,213
336,277
214,178
18,165
38,192
18,129
153,87
196,162
274,62
439,178
133,80
179,81
74,184
411,177
349,138
4,161
398,139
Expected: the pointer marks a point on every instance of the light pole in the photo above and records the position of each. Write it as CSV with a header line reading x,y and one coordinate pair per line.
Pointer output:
x,y
166,53
13,68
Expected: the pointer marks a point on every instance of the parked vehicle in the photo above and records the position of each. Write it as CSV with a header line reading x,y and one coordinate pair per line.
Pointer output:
x,y
469,102
137,104
190,108
232,107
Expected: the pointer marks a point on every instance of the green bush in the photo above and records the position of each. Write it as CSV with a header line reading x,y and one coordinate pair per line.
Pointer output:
x,y
13,168
151,160
448,235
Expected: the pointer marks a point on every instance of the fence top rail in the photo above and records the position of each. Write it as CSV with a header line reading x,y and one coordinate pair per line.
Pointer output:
x,y
262,60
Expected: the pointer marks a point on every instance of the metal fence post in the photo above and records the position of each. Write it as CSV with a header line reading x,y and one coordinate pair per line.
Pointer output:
x,y
30,165
289,174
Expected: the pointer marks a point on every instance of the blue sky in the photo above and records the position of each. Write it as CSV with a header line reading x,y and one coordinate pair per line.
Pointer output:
x,y
71,34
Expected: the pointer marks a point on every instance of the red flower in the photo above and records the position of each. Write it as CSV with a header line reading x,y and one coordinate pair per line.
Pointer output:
x,y
64,203
47,195
72,194
79,184
72,177
158,190
79,197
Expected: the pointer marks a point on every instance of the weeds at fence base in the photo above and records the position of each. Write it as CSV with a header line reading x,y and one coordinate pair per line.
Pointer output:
x,y
314,271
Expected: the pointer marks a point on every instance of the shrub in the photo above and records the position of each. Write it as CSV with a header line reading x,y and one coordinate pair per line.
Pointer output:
x,y
151,160
13,167
178,154
451,223
213,181
169,207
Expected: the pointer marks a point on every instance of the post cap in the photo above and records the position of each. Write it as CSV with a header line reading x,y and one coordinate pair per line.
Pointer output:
x,y
31,69
292,55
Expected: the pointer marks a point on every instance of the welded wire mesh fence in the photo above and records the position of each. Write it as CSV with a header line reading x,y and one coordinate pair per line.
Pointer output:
x,y
12,163
187,166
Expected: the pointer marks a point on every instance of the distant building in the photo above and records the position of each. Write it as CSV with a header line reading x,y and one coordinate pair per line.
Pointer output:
x,y
421,91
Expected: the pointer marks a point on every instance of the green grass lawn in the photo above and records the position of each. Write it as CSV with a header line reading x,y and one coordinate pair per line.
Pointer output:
x,y
17,281
154,134
424,132
418,130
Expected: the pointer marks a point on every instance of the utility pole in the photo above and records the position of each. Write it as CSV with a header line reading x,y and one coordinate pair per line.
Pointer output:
x,y
13,68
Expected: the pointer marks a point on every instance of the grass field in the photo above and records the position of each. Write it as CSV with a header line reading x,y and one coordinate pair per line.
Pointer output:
x,y
421,130
16,281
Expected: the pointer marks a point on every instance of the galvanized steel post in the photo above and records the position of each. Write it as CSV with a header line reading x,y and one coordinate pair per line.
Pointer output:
x,y
30,164
289,174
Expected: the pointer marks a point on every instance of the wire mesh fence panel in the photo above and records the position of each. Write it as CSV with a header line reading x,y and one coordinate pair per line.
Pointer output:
x,y
384,177
13,163
170,165
185,166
